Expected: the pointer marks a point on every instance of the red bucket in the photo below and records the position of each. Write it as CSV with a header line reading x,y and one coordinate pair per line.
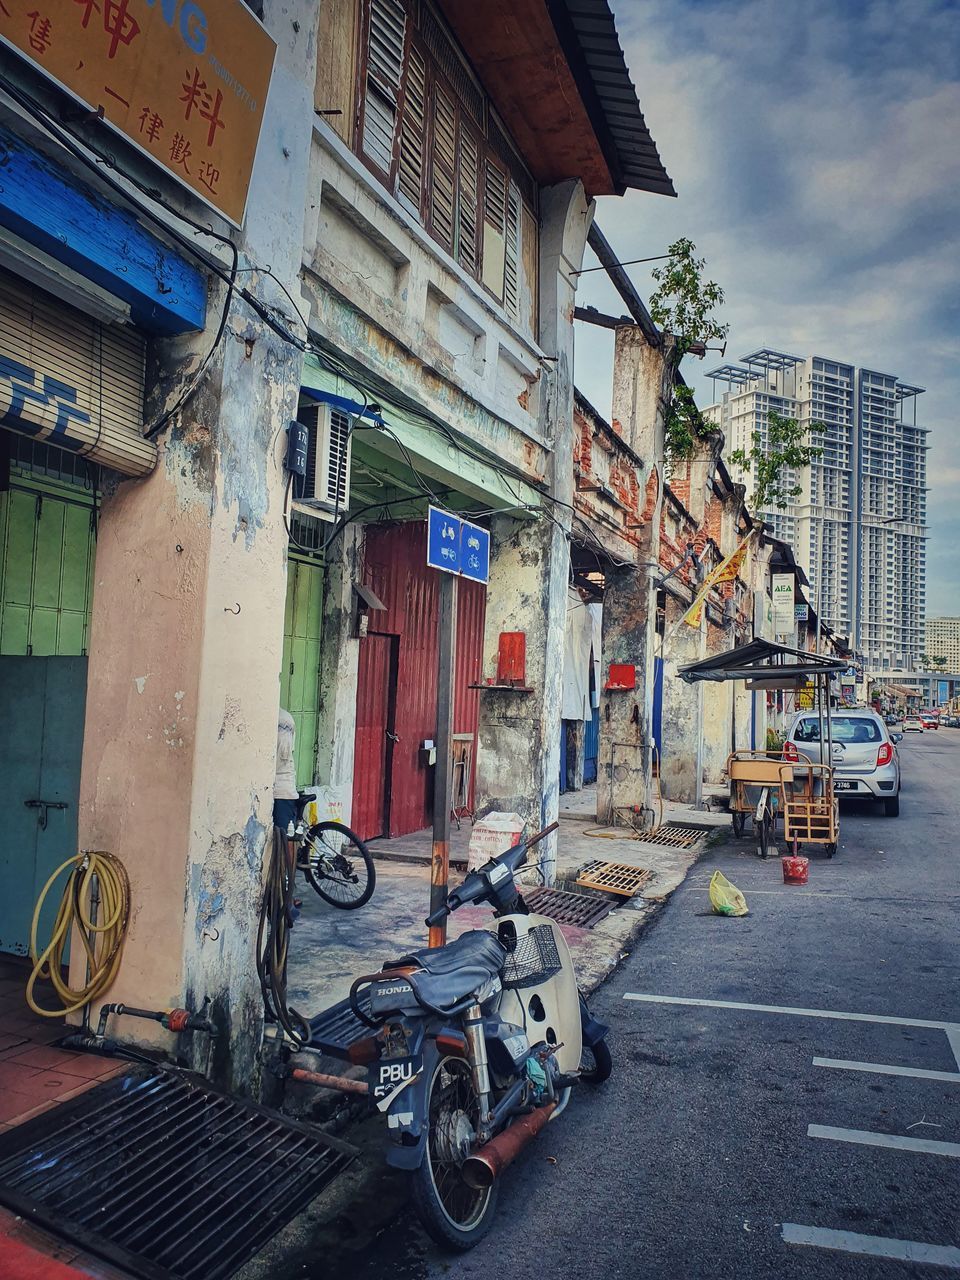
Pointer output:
x,y
795,869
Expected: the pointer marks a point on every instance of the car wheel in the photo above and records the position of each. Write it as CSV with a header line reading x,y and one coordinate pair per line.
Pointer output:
x,y
891,806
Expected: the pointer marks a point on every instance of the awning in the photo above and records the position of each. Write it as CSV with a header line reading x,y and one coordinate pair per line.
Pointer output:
x,y
396,433
763,660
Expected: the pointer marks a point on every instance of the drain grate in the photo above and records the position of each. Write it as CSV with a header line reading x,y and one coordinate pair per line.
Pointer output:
x,y
613,877
338,1027
164,1176
579,909
673,835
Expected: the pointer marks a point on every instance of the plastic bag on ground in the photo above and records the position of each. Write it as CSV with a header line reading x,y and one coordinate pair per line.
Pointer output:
x,y
725,898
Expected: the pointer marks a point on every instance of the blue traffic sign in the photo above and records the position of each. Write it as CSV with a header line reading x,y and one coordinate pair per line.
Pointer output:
x,y
457,546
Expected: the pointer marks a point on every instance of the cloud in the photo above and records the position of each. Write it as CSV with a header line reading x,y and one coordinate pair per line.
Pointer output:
x,y
814,149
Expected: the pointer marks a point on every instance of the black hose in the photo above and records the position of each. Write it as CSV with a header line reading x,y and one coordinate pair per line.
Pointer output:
x,y
277,914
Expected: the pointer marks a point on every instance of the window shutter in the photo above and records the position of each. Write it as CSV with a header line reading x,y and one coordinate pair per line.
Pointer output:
x,y
494,226
388,22
511,269
413,132
469,197
444,167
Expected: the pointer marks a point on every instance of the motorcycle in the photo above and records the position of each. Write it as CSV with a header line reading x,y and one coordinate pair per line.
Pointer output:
x,y
478,1045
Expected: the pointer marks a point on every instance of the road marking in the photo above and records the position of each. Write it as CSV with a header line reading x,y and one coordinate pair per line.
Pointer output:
x,y
936,1255
885,1069
950,1029
867,1138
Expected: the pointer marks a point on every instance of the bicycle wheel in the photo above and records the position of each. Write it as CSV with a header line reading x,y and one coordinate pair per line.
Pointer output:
x,y
338,865
763,829
739,822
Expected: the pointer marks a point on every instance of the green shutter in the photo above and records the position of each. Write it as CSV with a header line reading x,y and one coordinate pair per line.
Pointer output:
x,y
299,678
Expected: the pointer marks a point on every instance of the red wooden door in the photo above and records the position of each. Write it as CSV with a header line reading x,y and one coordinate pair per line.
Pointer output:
x,y
372,754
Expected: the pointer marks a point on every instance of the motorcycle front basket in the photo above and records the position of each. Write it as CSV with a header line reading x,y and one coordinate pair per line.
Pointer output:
x,y
533,959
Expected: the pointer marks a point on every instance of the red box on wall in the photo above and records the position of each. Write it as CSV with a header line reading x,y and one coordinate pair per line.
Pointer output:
x,y
512,658
623,675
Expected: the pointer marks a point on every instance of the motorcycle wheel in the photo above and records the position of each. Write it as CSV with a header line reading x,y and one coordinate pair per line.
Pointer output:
x,y
596,1064
454,1214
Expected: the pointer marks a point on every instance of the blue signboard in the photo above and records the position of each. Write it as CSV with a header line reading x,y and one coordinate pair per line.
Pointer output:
x,y
943,692
457,546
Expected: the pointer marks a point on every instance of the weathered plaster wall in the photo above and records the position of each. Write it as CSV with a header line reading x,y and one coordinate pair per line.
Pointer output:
x,y
681,757
187,624
641,376
518,764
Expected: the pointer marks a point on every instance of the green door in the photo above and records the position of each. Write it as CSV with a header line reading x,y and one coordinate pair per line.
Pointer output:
x,y
300,675
46,581
41,739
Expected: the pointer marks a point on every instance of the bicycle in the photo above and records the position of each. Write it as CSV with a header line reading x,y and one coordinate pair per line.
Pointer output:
x,y
334,860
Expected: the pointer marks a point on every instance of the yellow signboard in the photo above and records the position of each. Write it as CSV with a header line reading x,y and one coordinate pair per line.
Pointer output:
x,y
185,80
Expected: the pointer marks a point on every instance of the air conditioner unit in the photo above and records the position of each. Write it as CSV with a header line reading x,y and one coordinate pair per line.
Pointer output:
x,y
325,488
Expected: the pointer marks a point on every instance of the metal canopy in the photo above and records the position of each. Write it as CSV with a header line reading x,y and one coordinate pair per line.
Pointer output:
x,y
761,659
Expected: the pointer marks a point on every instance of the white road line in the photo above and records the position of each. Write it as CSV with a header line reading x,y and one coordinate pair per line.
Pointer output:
x,y
881,1018
950,1029
885,1069
867,1138
936,1255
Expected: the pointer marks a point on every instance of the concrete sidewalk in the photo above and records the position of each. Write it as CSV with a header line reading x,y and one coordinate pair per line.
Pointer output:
x,y
331,947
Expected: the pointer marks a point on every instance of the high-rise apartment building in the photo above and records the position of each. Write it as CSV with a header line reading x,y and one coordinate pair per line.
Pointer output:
x,y
943,641
858,524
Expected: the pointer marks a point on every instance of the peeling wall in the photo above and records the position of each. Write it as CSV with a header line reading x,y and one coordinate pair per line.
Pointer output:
x,y
187,624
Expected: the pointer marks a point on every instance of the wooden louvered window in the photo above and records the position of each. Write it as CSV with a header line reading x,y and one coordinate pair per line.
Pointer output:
x,y
385,59
426,128
468,186
443,179
413,133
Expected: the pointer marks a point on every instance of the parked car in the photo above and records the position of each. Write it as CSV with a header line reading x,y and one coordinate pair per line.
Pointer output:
x,y
950,722
865,760
913,722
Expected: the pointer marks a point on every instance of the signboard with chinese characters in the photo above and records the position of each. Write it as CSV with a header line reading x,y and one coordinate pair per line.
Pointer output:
x,y
782,592
184,80
457,546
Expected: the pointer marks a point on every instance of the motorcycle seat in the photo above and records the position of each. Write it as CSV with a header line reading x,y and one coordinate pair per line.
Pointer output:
x,y
445,976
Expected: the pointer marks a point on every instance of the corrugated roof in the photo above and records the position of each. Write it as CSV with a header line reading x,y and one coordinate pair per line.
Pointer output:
x,y
630,150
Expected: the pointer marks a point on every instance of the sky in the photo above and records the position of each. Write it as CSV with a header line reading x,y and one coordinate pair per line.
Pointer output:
x,y
815,148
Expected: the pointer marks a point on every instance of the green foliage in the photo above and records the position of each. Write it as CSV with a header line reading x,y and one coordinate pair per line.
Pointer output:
x,y
931,663
683,425
682,304
786,449
775,740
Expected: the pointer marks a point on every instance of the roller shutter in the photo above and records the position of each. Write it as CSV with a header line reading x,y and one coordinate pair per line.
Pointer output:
x,y
72,381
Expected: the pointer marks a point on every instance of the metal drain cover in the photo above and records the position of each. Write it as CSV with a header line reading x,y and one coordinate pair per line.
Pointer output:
x,y
613,877
674,835
160,1174
580,909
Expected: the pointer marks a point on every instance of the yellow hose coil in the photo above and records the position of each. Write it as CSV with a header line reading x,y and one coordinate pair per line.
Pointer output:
x,y
74,909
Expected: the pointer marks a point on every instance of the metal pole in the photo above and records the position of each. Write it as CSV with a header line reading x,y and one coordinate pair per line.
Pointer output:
x,y
443,770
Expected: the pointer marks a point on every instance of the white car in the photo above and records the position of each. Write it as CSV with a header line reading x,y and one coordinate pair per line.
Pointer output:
x,y
913,722
864,757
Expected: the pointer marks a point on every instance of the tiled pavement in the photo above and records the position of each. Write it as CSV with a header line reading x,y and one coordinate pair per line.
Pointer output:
x,y
34,1074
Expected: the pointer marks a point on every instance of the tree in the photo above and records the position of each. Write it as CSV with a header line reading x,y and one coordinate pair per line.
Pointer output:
x,y
684,307
786,449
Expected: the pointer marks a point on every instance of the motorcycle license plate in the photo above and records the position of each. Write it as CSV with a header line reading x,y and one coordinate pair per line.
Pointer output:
x,y
387,1074
844,786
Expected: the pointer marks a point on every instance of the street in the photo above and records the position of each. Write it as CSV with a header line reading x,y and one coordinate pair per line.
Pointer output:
x,y
723,1130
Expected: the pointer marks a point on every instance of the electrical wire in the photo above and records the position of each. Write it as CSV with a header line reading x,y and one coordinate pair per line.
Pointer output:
x,y
103,942
277,914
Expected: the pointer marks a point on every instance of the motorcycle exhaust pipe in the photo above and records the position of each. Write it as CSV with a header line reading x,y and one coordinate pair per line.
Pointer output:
x,y
481,1169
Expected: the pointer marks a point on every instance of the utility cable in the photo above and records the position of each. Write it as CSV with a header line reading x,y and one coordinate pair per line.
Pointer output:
x,y
277,914
103,942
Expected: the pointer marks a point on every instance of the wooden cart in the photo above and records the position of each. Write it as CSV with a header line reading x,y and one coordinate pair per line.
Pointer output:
x,y
811,811
756,792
